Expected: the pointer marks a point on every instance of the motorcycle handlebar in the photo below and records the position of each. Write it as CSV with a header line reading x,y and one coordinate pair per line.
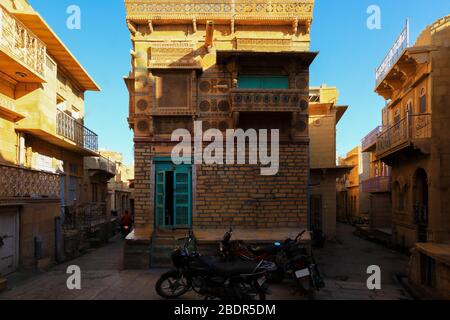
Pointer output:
x,y
300,235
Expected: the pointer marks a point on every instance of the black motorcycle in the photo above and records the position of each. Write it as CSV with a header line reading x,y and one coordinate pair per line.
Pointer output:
x,y
212,277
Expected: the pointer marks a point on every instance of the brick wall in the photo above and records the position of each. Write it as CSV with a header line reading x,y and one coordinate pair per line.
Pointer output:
x,y
238,195
143,207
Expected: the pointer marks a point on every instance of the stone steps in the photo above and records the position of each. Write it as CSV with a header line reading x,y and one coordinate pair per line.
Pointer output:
x,y
162,246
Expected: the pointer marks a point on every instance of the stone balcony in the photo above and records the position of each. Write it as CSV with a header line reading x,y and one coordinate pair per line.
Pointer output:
x,y
22,54
258,100
413,130
369,142
8,109
100,164
16,182
377,184
292,11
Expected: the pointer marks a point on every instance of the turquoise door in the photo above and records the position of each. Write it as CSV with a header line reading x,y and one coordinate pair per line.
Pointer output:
x,y
173,194
263,82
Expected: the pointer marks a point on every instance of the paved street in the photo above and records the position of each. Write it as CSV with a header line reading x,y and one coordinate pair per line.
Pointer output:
x,y
343,264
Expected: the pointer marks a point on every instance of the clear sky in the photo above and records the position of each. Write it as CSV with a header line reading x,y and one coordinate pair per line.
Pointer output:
x,y
349,54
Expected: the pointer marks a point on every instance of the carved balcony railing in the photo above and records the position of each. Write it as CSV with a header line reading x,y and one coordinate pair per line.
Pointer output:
x,y
377,184
300,10
371,139
404,133
19,42
18,182
259,100
70,128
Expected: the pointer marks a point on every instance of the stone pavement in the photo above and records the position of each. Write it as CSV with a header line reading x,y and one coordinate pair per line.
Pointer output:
x,y
343,264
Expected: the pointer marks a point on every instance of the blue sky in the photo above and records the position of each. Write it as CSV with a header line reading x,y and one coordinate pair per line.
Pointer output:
x,y
349,54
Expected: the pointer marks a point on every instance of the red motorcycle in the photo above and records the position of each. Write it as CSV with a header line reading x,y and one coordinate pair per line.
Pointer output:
x,y
290,257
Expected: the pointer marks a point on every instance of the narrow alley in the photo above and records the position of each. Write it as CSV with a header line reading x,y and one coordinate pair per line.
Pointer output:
x,y
343,264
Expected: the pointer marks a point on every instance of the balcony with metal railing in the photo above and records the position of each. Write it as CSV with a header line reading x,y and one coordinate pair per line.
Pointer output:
x,y
69,128
406,132
17,182
22,54
370,141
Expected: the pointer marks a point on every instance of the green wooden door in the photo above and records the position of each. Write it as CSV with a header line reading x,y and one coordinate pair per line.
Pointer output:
x,y
263,82
182,197
160,197
180,209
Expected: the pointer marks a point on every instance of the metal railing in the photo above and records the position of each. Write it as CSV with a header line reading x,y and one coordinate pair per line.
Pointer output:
x,y
84,217
412,127
71,129
16,182
377,184
371,138
226,9
21,43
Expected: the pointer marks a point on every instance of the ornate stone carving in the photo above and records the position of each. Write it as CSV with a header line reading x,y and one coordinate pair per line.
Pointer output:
x,y
173,55
220,9
24,183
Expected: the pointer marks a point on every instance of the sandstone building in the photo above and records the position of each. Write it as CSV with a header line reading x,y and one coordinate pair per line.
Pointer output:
x,y
378,186
324,115
353,201
231,64
415,143
120,194
43,140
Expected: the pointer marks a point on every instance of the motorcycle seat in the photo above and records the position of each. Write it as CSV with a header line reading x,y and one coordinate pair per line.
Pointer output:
x,y
270,249
229,268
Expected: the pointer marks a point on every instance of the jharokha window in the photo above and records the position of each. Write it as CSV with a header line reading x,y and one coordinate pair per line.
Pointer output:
x,y
423,101
169,82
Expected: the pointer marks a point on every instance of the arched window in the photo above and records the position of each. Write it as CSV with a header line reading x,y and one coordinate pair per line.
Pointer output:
x,y
409,107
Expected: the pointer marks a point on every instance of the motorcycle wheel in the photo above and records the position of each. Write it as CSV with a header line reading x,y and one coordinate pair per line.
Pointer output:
x,y
275,276
306,288
171,286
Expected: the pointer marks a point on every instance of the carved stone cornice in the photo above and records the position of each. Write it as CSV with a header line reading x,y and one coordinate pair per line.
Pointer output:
x,y
257,10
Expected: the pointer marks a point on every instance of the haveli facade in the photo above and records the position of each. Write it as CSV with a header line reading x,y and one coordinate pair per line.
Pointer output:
x,y
43,140
232,64
414,142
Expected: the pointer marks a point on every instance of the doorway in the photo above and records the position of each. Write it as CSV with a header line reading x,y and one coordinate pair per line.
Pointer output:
x,y
9,241
173,194
316,213
421,204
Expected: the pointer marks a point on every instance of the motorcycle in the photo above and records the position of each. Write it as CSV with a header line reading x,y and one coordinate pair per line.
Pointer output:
x,y
212,277
290,258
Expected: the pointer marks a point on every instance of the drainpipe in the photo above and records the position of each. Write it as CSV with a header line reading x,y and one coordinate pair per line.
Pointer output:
x,y
209,39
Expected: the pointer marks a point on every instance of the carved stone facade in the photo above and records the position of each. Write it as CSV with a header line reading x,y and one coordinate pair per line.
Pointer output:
x,y
189,62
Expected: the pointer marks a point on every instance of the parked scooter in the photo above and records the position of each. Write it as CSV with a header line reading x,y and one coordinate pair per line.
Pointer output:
x,y
291,259
212,277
